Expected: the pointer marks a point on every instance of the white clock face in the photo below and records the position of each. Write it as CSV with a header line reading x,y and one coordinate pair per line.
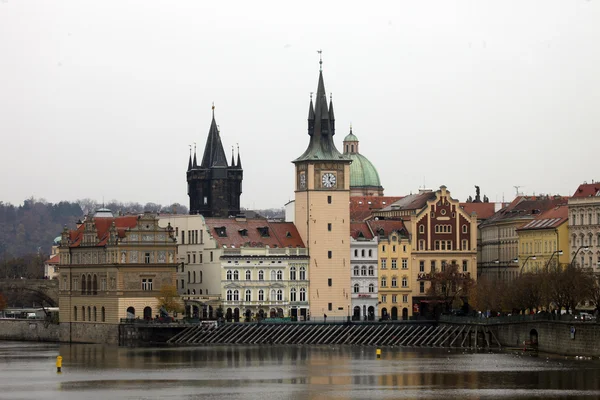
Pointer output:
x,y
302,181
328,180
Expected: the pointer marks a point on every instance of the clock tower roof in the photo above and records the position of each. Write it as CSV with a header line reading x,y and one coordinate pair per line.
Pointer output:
x,y
321,130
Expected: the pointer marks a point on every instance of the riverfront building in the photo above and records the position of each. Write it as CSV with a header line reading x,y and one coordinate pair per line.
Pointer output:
x,y
264,269
584,226
363,265
114,267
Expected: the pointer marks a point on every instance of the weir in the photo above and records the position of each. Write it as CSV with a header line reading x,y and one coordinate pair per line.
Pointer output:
x,y
408,334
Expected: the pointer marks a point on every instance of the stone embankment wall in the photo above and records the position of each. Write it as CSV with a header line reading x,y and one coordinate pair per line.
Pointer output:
x,y
28,330
89,332
554,336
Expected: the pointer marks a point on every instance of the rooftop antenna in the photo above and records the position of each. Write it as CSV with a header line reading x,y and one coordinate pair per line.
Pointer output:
x,y
517,187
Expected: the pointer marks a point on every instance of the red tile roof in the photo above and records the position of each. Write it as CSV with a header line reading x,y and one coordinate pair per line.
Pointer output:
x,y
361,206
235,232
387,225
526,207
552,218
102,227
483,210
55,259
587,190
412,202
356,228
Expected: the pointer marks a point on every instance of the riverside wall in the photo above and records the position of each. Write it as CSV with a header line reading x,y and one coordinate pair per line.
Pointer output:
x,y
28,330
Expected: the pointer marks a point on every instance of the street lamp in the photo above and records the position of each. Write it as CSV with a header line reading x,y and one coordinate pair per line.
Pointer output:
x,y
533,257
585,248
348,312
559,252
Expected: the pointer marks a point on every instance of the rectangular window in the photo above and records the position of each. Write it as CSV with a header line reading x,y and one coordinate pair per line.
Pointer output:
x,y
437,244
182,237
329,199
432,266
211,256
404,248
421,244
383,248
394,263
394,298
329,282
329,254
421,266
449,244
190,237
384,298
405,263
465,266
464,245
146,284
405,298
394,248
421,287
188,257
183,284
383,263
200,258
329,227
194,258
102,284
147,258
329,306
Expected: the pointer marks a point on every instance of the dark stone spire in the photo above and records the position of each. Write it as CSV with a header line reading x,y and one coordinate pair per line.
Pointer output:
x,y
239,160
195,163
190,161
321,146
232,159
311,117
331,116
214,155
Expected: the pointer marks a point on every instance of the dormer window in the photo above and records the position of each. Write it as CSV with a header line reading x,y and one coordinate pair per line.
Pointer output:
x,y
381,232
243,232
221,231
264,231
361,235
288,235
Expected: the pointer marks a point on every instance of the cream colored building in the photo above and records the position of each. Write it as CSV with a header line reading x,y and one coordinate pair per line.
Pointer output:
x,y
584,226
322,212
112,268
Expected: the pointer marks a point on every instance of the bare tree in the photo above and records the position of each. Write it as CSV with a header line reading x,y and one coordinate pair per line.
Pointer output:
x,y
450,285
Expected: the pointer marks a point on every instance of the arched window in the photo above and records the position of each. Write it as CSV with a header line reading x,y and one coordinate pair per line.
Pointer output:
x,y
292,273
272,295
236,275
75,313
248,295
273,275
394,282
200,276
248,275
302,273
293,294
302,294
370,253
363,270
371,288
194,276
236,295
404,281
279,295
261,275
261,295
383,281
83,285
229,295
89,313
189,277
103,314
356,270
83,313
229,275
362,253
95,285
95,314
356,288
279,275
371,270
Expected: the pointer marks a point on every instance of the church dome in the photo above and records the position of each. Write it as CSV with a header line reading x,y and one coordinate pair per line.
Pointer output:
x,y
362,171
103,213
364,178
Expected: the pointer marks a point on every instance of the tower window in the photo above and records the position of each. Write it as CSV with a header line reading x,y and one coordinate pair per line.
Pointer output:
x,y
329,199
329,227
329,254
329,282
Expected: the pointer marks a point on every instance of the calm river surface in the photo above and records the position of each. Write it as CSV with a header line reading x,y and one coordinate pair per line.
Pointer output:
x,y
27,371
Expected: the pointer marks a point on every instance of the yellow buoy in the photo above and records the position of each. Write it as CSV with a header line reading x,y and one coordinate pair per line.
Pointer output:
x,y
58,364
378,352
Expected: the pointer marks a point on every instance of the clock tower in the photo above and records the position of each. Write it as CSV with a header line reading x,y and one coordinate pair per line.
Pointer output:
x,y
322,211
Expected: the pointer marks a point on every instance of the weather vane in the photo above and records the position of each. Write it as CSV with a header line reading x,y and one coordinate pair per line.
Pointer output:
x,y
320,59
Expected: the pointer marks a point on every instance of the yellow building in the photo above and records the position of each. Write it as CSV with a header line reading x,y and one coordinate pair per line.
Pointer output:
x,y
544,241
322,214
395,269
441,233
113,269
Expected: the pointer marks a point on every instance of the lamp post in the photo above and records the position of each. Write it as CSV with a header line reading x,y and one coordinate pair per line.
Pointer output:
x,y
348,312
559,252
533,257
585,248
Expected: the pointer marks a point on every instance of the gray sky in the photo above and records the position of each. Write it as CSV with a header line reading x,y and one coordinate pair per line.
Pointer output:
x,y
101,99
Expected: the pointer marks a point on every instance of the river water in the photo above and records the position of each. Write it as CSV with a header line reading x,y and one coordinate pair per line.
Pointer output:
x,y
28,371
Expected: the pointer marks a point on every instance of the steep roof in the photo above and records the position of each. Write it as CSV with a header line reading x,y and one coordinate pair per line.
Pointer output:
x,y
525,207
102,226
587,190
239,232
362,206
412,202
55,259
549,219
360,230
214,154
386,226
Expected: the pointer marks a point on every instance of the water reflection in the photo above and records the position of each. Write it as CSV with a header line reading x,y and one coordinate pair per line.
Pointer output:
x,y
295,372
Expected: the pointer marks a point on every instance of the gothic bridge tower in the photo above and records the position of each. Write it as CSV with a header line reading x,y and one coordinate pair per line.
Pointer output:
x,y
214,187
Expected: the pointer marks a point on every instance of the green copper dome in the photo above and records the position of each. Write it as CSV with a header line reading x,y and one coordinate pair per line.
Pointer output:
x,y
362,171
350,137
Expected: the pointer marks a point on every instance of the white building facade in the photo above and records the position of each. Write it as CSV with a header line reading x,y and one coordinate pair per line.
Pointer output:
x,y
363,273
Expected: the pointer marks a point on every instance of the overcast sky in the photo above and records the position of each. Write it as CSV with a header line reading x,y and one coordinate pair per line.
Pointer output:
x,y
101,99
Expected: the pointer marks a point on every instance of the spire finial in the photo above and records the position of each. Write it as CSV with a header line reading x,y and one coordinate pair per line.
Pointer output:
x,y
320,59
190,149
350,127
330,96
311,93
238,147
213,108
